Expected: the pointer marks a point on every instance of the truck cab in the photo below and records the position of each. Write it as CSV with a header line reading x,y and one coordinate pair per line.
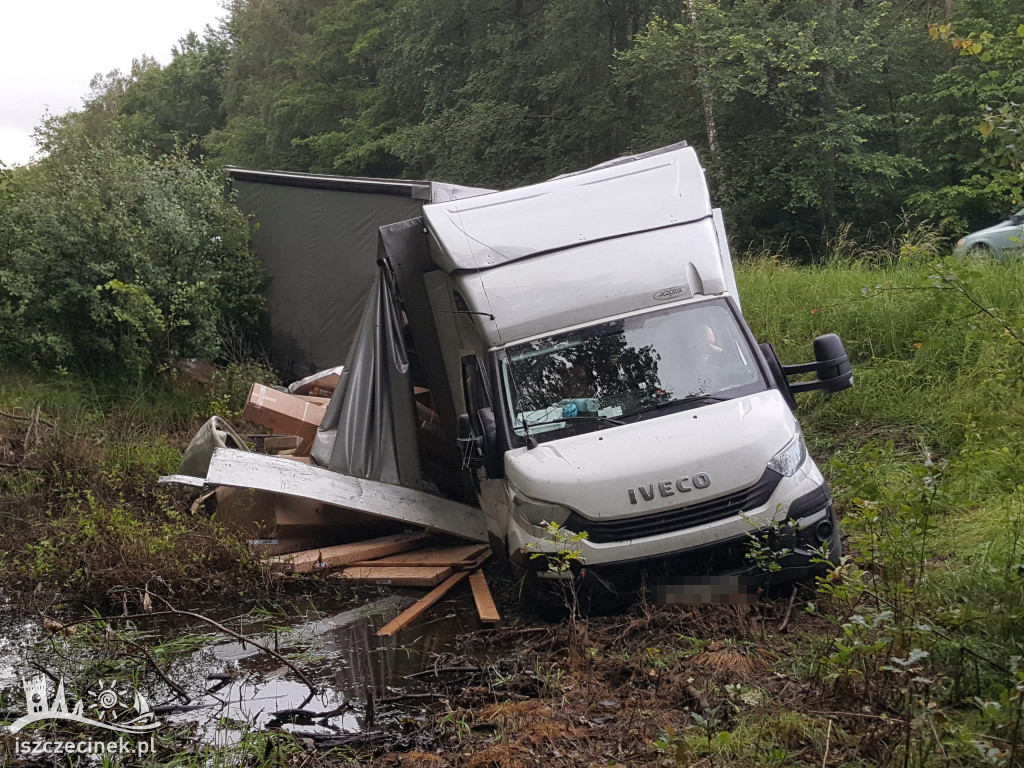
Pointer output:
x,y
608,383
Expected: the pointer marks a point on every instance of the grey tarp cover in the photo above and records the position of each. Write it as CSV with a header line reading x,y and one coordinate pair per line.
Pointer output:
x,y
369,428
317,239
319,247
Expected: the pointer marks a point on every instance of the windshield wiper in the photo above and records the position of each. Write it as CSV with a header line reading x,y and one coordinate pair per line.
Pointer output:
x,y
680,401
566,419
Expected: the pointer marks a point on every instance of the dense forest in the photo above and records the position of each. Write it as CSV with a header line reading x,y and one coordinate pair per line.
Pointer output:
x,y
817,120
809,114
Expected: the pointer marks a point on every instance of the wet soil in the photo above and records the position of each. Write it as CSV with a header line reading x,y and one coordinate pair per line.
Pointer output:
x,y
446,692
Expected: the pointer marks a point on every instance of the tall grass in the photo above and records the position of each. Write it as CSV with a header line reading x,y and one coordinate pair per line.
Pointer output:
x,y
926,461
80,508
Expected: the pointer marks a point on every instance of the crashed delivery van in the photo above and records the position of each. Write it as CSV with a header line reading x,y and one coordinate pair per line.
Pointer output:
x,y
590,366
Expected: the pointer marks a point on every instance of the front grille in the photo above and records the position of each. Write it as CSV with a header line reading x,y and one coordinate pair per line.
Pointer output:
x,y
605,531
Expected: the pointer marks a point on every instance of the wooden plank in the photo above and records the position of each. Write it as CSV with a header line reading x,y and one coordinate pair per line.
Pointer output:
x,y
281,546
421,606
460,565
422,576
346,554
485,606
393,502
281,442
432,556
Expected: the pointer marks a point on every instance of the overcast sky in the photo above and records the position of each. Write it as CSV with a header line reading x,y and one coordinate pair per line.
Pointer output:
x,y
52,48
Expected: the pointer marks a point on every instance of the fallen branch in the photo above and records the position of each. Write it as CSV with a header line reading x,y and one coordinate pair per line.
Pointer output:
x,y
241,638
173,709
283,714
178,690
698,698
328,741
172,611
789,610
34,419
445,671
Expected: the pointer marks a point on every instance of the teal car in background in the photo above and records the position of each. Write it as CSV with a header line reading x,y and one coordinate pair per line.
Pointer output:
x,y
1001,241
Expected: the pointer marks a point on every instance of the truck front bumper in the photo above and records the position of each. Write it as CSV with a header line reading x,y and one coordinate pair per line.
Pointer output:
x,y
804,493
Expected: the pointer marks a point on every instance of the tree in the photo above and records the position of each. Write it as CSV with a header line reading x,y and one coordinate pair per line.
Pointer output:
x,y
805,95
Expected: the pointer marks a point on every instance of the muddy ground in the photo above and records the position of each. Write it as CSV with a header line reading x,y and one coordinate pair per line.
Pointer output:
x,y
658,685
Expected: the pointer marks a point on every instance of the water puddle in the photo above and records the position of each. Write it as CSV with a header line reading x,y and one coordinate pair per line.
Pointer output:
x,y
365,683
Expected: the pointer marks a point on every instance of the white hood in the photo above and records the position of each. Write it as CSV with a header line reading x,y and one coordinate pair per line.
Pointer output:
x,y
730,442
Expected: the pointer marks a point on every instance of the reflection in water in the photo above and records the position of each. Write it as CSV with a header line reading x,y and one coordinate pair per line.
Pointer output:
x,y
341,653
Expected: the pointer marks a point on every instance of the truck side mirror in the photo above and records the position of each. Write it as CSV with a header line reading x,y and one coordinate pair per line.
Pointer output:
x,y
831,364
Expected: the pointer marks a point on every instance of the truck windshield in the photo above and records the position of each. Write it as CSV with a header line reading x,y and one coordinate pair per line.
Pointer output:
x,y
584,379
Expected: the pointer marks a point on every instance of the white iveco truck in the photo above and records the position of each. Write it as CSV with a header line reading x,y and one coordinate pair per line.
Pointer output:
x,y
582,346
609,382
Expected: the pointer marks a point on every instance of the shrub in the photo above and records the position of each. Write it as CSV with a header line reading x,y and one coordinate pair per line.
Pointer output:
x,y
112,261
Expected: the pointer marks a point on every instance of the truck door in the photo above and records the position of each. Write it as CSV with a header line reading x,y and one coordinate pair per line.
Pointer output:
x,y
488,474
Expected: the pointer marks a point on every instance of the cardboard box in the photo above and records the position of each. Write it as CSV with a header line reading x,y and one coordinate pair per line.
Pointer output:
x,y
284,414
315,400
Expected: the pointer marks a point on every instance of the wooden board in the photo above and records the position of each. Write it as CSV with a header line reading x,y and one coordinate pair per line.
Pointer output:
x,y
281,546
280,443
485,606
457,555
393,502
423,576
346,554
459,565
421,606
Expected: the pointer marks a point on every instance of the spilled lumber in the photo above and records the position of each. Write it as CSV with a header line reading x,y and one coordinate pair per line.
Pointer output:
x,y
485,606
398,576
460,555
421,606
347,554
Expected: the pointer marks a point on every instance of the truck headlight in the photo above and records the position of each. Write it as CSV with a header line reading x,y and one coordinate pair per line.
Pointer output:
x,y
536,512
787,461
961,242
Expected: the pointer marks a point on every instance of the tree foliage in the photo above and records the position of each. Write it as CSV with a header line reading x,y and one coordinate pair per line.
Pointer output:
x,y
811,115
113,260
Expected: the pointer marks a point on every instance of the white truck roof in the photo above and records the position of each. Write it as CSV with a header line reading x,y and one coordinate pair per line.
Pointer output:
x,y
613,239
611,200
